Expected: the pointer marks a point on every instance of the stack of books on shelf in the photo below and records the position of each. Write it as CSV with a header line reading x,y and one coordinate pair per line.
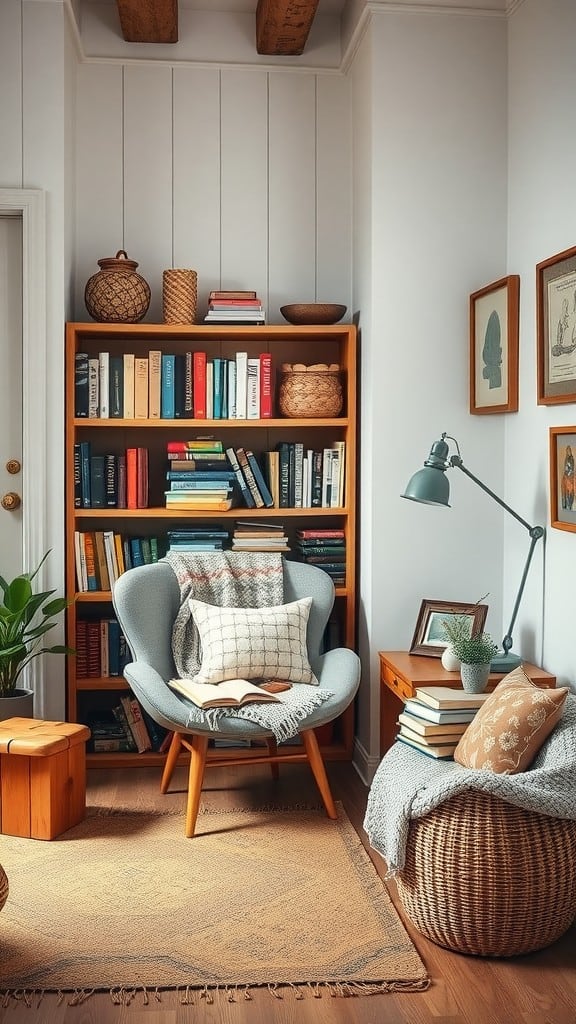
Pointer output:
x,y
202,538
101,556
259,536
124,728
101,649
112,480
436,717
182,385
199,484
234,307
300,477
324,548
251,485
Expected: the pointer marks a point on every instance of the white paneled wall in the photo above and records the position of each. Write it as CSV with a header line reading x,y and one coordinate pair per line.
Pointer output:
x,y
243,175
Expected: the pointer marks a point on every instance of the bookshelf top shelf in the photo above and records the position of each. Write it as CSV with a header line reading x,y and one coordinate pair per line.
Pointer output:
x,y
183,332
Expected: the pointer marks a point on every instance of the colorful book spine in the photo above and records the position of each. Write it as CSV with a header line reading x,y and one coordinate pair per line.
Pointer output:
x,y
168,390
265,385
141,385
154,384
199,385
93,388
81,384
128,385
104,385
253,388
116,386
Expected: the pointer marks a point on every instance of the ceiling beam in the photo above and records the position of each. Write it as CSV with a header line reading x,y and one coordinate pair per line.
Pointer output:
x,y
282,26
149,21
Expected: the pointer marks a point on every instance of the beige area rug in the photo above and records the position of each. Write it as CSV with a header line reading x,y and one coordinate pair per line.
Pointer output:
x,y
125,903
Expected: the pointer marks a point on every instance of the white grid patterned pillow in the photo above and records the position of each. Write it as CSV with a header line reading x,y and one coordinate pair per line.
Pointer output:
x,y
249,643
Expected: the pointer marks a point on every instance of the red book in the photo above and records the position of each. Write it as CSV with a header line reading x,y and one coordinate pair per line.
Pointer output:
x,y
131,478
241,303
199,386
93,638
142,477
308,534
265,385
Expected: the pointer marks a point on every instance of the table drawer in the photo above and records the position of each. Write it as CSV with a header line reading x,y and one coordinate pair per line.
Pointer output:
x,y
396,683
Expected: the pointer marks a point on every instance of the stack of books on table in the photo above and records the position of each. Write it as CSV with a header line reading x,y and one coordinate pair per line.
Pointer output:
x,y
234,307
259,536
199,484
436,717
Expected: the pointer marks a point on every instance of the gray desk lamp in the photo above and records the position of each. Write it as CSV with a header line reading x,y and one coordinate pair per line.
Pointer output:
x,y
431,487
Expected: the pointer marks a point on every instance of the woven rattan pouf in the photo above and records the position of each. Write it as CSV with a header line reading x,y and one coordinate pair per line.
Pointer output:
x,y
488,878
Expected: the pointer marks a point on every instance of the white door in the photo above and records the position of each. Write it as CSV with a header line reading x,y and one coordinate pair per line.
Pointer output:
x,y
11,476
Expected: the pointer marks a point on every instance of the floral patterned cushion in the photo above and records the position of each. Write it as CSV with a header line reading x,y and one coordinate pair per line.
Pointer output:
x,y
511,726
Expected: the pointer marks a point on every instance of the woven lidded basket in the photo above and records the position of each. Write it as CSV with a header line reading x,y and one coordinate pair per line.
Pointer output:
x,y
310,394
179,296
116,293
488,878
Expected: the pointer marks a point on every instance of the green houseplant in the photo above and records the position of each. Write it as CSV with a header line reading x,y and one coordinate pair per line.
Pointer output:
x,y
475,653
25,618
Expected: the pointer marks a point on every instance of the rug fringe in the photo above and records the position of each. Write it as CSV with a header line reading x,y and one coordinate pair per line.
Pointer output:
x,y
190,995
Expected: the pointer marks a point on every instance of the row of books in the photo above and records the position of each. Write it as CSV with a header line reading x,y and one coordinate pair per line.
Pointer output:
x,y
110,480
324,548
125,728
436,717
162,385
101,649
234,307
101,556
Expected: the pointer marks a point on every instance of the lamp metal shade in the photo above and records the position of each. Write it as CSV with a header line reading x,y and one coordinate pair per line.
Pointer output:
x,y
429,486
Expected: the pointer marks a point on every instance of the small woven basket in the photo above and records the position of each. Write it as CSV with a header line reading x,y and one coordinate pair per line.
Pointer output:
x,y
487,878
179,296
310,394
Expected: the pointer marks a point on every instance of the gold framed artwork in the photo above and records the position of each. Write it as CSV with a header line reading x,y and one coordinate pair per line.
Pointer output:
x,y
562,496
556,328
494,319
429,635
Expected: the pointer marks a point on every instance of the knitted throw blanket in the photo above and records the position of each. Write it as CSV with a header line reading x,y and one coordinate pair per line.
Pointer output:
x,y
235,579
409,785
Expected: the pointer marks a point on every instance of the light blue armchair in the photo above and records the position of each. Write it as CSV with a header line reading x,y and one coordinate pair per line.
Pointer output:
x,y
146,600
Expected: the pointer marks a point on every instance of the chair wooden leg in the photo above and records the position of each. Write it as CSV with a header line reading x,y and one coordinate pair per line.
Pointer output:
x,y
273,750
318,770
170,763
198,749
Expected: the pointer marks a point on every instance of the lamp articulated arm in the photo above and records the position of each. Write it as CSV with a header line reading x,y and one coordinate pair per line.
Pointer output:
x,y
430,486
536,533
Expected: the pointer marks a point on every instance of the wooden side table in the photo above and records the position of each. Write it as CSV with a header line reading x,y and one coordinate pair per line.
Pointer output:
x,y
401,673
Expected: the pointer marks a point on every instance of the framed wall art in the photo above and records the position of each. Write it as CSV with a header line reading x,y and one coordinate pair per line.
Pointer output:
x,y
494,318
562,497
556,328
429,636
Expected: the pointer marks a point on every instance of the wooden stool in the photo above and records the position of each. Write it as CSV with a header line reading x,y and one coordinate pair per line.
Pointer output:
x,y
42,777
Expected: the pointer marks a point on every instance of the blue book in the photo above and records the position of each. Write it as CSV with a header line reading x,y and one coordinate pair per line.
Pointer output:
x,y
85,473
136,549
116,386
217,385
97,482
113,647
201,474
167,392
240,480
259,477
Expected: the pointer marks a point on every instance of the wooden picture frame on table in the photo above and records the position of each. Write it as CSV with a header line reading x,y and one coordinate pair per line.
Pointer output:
x,y
556,328
494,330
562,482
429,636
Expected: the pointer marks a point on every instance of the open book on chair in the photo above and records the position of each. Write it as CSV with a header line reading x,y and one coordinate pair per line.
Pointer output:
x,y
231,693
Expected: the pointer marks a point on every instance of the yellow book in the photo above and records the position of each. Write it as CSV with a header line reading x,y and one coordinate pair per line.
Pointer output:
x,y
154,384
128,385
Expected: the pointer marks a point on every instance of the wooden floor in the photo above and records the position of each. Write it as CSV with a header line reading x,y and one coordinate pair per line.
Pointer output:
x,y
535,989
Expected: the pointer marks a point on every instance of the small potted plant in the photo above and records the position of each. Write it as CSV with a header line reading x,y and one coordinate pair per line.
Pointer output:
x,y
25,617
457,627
475,653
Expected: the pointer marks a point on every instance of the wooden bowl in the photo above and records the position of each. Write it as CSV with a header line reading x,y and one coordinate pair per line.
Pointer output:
x,y
313,312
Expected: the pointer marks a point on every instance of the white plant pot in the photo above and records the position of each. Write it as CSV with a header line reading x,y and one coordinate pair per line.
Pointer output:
x,y
474,677
450,661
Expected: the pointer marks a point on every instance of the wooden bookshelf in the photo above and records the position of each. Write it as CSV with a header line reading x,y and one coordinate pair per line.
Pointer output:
x,y
314,344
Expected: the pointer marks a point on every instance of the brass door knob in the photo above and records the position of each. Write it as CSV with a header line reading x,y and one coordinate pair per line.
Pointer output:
x,y
11,501
13,466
